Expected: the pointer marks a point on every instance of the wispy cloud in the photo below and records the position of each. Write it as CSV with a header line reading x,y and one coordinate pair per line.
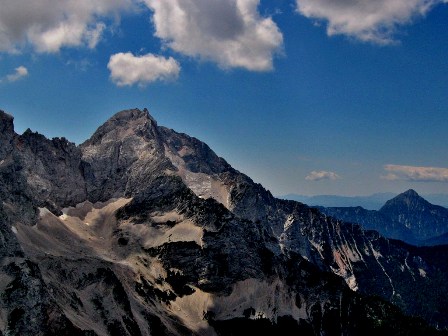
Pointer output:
x,y
322,175
19,73
229,32
415,174
127,69
372,21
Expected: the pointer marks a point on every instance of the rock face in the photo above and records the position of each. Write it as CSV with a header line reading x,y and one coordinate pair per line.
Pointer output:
x,y
145,231
407,217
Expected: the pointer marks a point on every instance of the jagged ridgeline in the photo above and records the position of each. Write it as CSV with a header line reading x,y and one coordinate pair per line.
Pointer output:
x,y
145,231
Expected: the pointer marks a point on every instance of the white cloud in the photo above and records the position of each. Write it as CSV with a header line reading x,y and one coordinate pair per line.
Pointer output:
x,y
127,69
94,36
229,32
321,175
367,20
49,25
416,174
19,73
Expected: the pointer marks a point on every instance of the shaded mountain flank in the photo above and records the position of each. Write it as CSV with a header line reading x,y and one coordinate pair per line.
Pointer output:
x,y
145,231
408,217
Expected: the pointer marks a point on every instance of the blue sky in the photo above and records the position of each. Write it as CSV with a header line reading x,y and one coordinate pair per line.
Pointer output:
x,y
305,96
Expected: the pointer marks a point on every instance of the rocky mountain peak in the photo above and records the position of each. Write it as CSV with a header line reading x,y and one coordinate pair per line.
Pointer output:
x,y
410,193
123,154
130,115
126,123
409,200
412,211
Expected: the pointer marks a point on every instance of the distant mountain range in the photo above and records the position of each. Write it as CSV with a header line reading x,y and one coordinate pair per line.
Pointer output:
x,y
408,217
371,202
142,231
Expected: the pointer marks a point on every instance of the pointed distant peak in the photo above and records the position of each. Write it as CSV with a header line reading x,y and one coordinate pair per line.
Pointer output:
x,y
408,199
132,122
410,193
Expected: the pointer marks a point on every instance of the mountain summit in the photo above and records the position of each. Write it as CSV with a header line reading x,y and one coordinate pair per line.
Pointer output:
x,y
406,201
124,124
408,217
412,211
145,231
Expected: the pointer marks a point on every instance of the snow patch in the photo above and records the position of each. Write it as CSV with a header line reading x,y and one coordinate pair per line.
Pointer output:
x,y
164,232
376,254
43,212
318,247
203,185
288,222
172,216
69,235
351,282
268,299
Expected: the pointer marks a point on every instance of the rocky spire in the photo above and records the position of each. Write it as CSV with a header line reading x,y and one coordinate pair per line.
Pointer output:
x,y
6,133
6,123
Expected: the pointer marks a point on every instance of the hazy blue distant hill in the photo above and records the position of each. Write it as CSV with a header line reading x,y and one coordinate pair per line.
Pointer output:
x,y
437,199
372,202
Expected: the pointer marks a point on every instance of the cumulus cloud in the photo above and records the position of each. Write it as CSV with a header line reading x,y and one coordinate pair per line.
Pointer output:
x,y
127,69
416,174
229,32
49,25
322,175
19,73
367,20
